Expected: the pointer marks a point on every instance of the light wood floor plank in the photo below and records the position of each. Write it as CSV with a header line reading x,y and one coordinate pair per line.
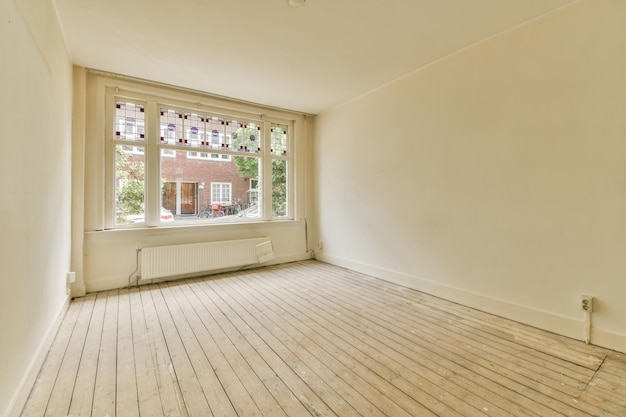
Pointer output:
x,y
337,351
559,346
415,316
439,313
208,364
258,378
310,385
273,363
450,349
148,390
390,345
310,339
592,402
171,397
62,393
190,387
395,368
615,364
294,341
127,398
352,371
84,387
40,394
104,396
507,374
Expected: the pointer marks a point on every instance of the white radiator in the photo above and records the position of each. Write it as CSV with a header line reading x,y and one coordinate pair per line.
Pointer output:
x,y
166,261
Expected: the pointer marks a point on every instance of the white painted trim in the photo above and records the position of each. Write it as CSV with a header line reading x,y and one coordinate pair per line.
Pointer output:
x,y
611,340
22,392
151,98
551,322
221,188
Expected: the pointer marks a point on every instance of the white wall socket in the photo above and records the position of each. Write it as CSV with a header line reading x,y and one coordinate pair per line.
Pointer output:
x,y
71,277
586,302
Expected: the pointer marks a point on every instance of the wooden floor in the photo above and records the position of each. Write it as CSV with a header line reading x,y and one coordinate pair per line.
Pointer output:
x,y
309,339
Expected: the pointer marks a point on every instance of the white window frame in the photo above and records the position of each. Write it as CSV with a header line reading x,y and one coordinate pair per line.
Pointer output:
x,y
221,186
165,153
212,156
187,102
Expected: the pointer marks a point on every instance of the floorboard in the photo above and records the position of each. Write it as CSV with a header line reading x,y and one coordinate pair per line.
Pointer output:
x,y
311,339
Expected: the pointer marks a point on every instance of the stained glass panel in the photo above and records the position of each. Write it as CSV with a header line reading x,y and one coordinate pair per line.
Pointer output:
x,y
246,137
230,134
194,129
279,140
129,121
215,133
171,127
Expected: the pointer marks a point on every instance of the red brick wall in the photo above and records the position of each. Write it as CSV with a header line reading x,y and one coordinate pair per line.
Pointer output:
x,y
198,171
205,171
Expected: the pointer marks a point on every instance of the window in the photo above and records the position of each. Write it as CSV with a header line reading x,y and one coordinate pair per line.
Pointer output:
x,y
168,158
168,152
220,193
207,155
129,184
280,155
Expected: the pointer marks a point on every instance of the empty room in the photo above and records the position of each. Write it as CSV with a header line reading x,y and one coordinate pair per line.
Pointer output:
x,y
313,208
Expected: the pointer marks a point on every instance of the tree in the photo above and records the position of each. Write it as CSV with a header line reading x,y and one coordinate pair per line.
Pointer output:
x,y
129,197
279,187
249,167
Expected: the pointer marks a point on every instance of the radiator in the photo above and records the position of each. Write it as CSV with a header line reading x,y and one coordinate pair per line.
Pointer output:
x,y
166,261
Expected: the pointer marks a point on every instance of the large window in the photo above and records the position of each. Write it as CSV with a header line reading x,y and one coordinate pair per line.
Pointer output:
x,y
172,165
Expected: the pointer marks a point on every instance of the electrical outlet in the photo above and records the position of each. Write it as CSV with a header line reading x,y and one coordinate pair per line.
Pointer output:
x,y
586,302
320,245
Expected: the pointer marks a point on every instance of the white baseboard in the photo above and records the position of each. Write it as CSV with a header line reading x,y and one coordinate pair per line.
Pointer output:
x,y
565,326
26,384
607,339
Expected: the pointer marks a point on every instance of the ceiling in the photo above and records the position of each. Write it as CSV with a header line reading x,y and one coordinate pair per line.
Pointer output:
x,y
306,58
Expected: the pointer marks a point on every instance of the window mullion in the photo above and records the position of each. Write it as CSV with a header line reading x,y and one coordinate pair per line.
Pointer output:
x,y
291,164
266,173
152,165
109,169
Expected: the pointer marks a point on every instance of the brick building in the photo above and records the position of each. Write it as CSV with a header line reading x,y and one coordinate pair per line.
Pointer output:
x,y
192,180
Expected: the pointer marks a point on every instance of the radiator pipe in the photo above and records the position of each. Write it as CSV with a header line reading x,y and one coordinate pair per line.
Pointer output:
x,y
136,267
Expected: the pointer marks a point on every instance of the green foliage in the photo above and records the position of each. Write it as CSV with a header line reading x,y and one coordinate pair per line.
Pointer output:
x,y
129,198
279,187
249,167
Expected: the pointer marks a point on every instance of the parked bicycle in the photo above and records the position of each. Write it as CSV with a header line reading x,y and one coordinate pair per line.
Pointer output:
x,y
212,211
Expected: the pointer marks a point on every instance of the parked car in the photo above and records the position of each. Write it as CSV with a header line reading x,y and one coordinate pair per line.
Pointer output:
x,y
166,216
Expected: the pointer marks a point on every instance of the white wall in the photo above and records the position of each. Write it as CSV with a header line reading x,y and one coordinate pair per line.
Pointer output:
x,y
35,115
104,259
495,177
110,255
